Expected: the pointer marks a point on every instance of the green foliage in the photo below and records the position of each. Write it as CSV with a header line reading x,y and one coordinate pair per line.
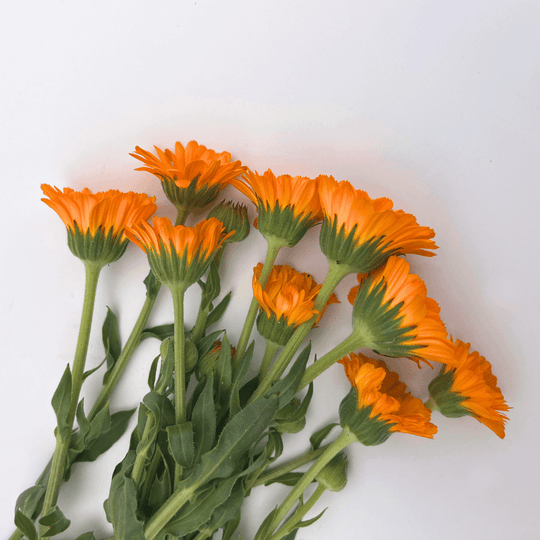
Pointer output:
x,y
53,523
181,445
318,437
61,403
204,420
25,525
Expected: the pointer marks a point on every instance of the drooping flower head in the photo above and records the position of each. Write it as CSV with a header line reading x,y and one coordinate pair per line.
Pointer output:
x,y
178,255
361,233
287,301
470,389
97,222
379,404
287,205
192,177
391,311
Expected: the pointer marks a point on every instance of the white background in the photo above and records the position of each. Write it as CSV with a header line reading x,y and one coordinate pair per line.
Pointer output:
x,y
434,104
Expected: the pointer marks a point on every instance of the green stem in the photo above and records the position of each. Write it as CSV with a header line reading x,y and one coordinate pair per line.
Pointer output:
x,y
300,461
127,352
17,535
179,363
204,534
345,438
62,442
290,525
352,343
274,245
335,274
269,353
182,214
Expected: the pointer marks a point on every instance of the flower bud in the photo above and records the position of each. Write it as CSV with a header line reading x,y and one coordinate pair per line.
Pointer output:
x,y
234,218
334,476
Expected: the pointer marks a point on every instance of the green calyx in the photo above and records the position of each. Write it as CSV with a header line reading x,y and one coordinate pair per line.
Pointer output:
x,y
282,224
334,476
366,430
176,270
274,330
100,249
343,248
192,196
448,403
382,323
234,218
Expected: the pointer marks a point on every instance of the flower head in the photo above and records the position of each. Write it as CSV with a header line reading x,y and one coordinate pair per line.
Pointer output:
x,y
288,205
287,301
179,255
362,233
192,177
470,389
392,311
97,222
379,403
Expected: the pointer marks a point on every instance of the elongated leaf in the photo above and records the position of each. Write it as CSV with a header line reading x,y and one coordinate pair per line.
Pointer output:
x,y
160,332
165,379
318,437
288,479
191,354
311,521
86,536
25,525
152,373
205,344
218,311
204,421
264,530
30,501
111,337
61,402
152,285
223,371
122,509
181,443
161,487
291,535
231,527
227,511
235,401
53,523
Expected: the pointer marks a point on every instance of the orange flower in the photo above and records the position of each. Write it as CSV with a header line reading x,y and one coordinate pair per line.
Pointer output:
x,y
288,206
361,232
97,222
179,254
470,388
288,294
192,176
392,310
384,397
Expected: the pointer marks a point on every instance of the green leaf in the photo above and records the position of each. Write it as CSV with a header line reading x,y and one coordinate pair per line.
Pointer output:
x,y
152,373
318,437
231,527
117,426
181,446
205,344
30,501
122,509
291,535
165,379
160,332
152,285
236,401
210,289
86,536
265,528
161,487
25,525
223,371
191,354
53,523
311,521
61,402
227,512
204,420
218,311
288,479
111,342
87,374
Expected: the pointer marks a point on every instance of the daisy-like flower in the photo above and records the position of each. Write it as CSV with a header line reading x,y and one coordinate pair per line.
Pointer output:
x,y
179,255
379,403
393,315
287,301
287,205
361,233
192,177
469,389
96,222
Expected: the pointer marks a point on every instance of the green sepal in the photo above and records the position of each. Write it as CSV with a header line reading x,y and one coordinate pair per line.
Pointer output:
x,y
204,420
448,403
234,217
192,196
25,525
181,447
273,329
61,403
53,523
378,325
280,223
111,342
318,437
340,247
100,249
368,431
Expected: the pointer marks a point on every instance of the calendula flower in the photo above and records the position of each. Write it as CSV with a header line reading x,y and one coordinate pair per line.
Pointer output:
x,y
192,177
470,389
287,301
361,233
394,314
287,205
379,404
179,255
97,222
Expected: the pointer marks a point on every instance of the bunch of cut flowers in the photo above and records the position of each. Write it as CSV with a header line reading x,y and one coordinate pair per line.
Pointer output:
x,y
211,429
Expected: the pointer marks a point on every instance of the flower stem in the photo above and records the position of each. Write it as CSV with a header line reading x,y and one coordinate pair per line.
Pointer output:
x,y
292,465
179,363
63,440
335,274
274,245
345,438
269,353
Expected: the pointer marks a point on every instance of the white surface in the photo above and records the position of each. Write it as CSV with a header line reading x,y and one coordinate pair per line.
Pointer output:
x,y
432,103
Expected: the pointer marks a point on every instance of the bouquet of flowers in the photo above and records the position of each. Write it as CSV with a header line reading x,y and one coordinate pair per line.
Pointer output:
x,y
216,418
